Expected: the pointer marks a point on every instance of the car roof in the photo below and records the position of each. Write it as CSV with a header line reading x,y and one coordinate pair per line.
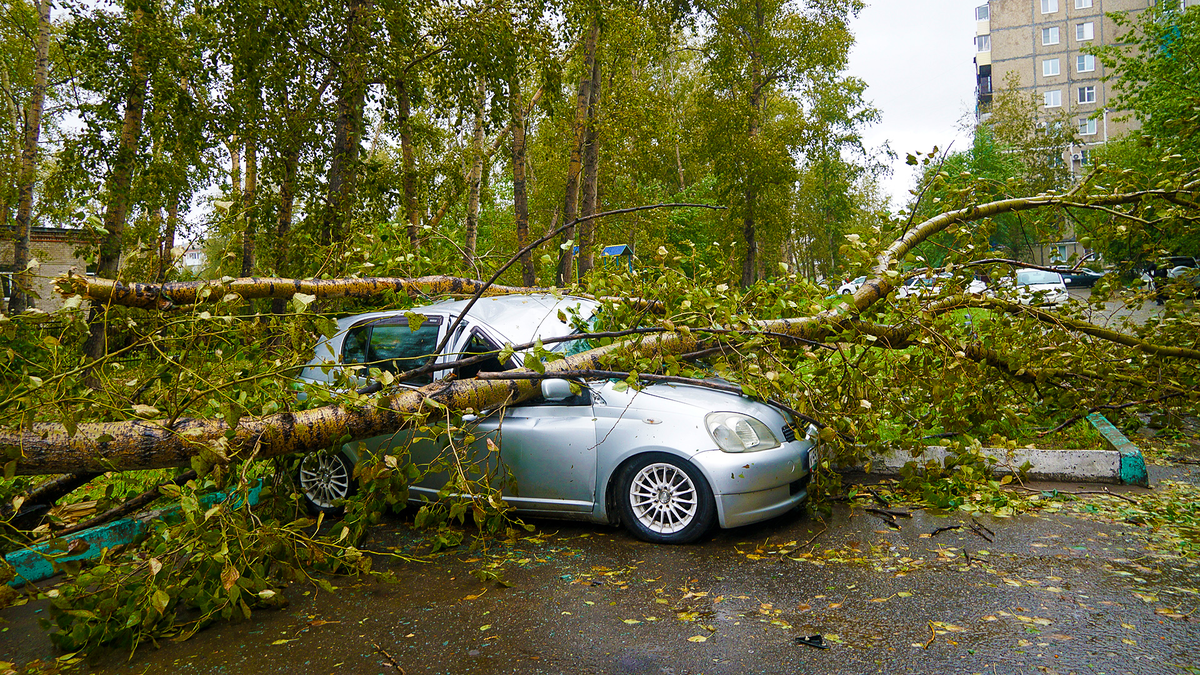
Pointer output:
x,y
520,318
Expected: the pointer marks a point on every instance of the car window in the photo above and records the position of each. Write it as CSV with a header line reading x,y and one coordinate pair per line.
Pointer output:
x,y
479,344
1030,277
390,345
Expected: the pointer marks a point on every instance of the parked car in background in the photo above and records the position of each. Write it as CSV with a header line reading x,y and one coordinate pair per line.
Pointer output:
x,y
1079,278
667,461
851,287
1170,270
1035,287
920,286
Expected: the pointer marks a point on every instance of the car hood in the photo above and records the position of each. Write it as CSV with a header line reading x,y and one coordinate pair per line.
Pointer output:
x,y
691,399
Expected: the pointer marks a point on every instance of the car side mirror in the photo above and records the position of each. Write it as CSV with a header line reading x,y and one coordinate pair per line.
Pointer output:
x,y
556,390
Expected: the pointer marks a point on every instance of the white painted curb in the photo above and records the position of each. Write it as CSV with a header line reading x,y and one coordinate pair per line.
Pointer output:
x,y
1091,466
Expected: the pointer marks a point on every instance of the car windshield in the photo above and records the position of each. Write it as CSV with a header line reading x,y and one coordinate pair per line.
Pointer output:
x,y
573,347
1031,277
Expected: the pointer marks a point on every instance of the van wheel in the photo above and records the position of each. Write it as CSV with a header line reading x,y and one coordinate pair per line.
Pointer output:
x,y
665,500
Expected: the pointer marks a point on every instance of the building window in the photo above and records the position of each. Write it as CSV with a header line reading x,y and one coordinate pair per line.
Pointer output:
x,y
1050,67
985,84
983,43
1083,4
1053,98
982,12
1087,127
1050,35
1083,157
1085,63
1087,94
1084,31
1058,252
1049,6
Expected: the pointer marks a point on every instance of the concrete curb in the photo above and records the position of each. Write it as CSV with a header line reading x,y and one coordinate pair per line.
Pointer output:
x,y
1082,466
1121,463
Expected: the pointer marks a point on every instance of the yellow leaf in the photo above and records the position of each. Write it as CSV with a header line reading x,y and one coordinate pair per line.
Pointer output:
x,y
904,594
698,638
632,621
485,626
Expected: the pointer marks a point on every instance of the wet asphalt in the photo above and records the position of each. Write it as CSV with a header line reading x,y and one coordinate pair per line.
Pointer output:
x,y
1059,591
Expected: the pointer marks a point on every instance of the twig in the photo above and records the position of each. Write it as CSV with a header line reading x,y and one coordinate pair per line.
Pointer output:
x,y
985,527
882,502
388,656
814,537
945,529
979,530
885,516
932,635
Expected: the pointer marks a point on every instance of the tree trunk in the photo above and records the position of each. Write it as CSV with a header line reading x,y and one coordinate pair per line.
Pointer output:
x,y
750,261
566,256
19,300
343,168
591,169
520,198
474,179
287,198
117,209
166,256
249,211
407,152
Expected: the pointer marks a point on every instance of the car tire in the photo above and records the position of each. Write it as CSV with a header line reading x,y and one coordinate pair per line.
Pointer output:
x,y
847,293
325,480
665,500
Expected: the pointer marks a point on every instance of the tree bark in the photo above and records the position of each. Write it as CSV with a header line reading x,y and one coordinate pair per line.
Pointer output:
x,y
591,170
249,211
175,294
750,261
474,179
166,256
117,209
19,299
343,169
566,256
408,154
520,197
283,225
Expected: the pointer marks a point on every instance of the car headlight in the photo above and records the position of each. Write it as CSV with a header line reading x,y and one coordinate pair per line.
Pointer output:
x,y
735,432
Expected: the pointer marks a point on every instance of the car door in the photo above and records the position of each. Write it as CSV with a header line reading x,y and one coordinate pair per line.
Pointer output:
x,y
391,344
547,448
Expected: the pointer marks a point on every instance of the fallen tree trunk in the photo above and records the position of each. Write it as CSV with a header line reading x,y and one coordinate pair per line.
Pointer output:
x,y
166,296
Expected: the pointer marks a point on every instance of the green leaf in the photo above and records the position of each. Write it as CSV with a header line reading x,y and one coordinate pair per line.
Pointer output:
x,y
532,362
160,600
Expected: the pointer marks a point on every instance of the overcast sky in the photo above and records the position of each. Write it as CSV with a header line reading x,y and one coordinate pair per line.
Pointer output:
x,y
916,58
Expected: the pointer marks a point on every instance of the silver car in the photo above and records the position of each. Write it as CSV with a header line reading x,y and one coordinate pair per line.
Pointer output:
x,y
667,461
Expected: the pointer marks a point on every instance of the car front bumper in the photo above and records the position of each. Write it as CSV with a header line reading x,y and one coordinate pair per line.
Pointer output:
x,y
755,486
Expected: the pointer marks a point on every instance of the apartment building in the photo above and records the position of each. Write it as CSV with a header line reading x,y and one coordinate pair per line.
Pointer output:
x,y
1042,43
